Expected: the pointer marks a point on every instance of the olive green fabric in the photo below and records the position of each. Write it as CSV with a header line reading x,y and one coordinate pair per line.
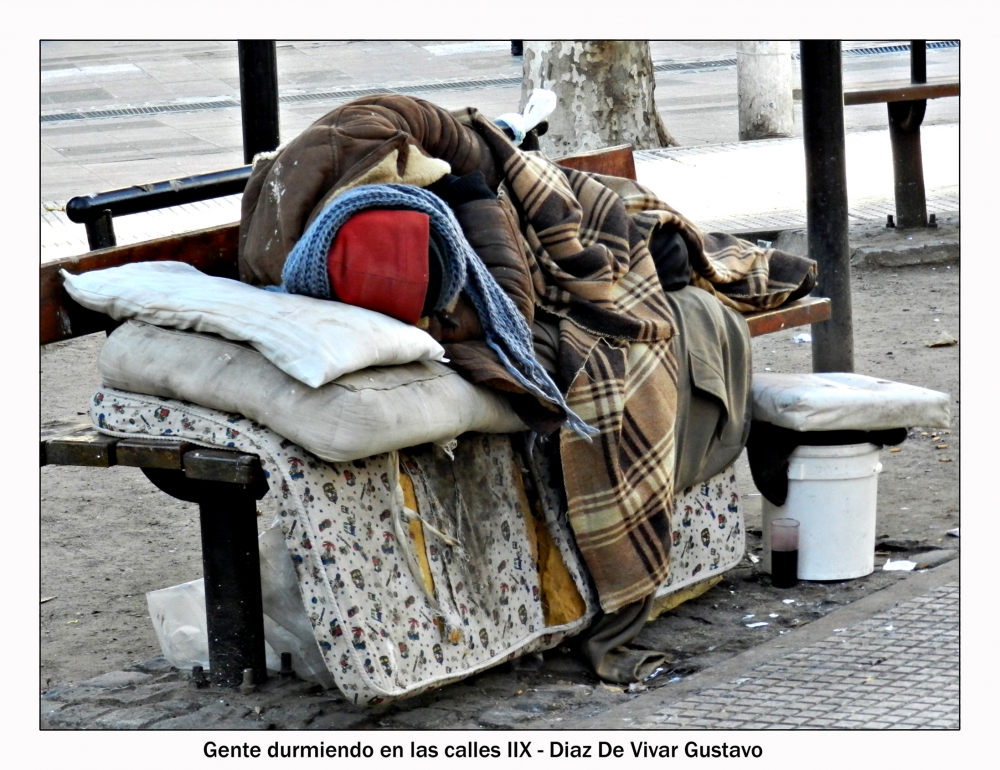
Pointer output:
x,y
714,403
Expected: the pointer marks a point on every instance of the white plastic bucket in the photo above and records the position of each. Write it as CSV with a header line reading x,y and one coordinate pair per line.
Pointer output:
x,y
833,493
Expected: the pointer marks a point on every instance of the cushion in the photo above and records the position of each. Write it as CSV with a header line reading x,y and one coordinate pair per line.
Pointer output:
x,y
841,401
315,341
360,414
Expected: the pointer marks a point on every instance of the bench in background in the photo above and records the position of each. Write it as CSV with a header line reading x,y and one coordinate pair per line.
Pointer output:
x,y
906,104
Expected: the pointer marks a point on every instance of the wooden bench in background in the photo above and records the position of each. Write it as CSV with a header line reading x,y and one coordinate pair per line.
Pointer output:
x,y
906,104
226,484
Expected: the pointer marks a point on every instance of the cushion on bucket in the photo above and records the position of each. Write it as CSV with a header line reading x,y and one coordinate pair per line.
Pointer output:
x,y
841,401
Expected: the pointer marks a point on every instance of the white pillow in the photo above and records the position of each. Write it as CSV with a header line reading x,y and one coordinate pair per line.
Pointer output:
x,y
361,414
313,340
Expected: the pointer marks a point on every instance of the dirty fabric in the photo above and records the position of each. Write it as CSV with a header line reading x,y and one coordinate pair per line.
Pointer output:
x,y
602,645
400,575
743,276
505,329
707,537
770,447
590,266
713,386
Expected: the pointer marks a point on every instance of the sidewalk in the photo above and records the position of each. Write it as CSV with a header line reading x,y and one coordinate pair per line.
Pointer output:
x,y
729,187
892,665
890,660
192,125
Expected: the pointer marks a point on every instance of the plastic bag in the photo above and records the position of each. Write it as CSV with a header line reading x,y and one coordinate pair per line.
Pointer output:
x,y
179,619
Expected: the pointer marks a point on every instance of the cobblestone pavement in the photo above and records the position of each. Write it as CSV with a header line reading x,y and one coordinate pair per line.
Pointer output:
x,y
898,669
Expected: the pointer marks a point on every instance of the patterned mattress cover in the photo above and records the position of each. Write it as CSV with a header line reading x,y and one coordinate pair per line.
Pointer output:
x,y
403,600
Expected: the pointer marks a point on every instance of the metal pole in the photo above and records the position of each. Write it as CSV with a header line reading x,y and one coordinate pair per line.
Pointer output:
x,y
826,200
918,61
258,96
233,603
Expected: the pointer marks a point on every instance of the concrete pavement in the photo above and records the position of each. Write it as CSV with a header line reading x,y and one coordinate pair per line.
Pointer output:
x,y
190,93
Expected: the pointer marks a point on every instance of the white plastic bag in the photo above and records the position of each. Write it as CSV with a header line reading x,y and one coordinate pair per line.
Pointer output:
x,y
179,619
541,104
178,615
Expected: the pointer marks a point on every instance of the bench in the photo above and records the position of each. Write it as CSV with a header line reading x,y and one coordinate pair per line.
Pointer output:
x,y
226,484
906,104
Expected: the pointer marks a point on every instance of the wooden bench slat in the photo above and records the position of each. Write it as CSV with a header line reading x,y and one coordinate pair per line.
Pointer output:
x,y
212,251
234,467
610,161
77,444
137,453
808,310
894,91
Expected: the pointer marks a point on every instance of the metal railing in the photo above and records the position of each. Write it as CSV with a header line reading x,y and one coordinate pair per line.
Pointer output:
x,y
96,212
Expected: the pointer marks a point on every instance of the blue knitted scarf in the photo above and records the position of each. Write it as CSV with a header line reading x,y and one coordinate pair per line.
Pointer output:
x,y
507,332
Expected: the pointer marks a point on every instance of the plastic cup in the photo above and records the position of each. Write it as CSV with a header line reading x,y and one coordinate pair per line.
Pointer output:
x,y
784,553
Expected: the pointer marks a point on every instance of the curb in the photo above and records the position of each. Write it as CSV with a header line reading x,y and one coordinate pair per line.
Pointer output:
x,y
874,245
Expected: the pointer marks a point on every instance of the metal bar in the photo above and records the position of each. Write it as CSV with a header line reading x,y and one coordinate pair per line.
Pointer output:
x,y
918,61
157,195
258,96
100,230
231,562
826,200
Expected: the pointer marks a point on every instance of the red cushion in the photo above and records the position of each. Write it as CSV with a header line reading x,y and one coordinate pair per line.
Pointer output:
x,y
378,261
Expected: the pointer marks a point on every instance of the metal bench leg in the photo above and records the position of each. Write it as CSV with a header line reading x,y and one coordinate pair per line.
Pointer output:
x,y
232,582
904,132
907,163
231,563
101,232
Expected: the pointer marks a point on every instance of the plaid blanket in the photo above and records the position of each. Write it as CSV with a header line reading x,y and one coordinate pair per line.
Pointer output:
x,y
591,267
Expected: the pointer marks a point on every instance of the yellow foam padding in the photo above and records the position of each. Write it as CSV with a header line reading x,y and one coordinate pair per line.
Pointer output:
x,y
676,599
417,532
561,600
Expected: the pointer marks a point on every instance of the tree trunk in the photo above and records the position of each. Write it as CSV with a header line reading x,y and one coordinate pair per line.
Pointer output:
x,y
604,90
